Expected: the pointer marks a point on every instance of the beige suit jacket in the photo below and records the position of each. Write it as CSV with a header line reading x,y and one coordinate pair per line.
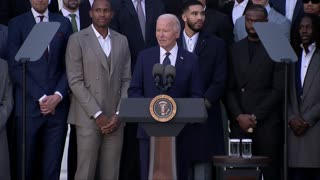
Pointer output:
x,y
94,86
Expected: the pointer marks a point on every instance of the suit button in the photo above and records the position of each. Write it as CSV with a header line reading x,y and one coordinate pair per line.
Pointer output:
x,y
243,90
97,78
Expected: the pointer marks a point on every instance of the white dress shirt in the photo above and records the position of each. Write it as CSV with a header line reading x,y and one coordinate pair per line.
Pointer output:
x,y
135,2
105,43
66,14
173,55
191,41
290,6
37,18
91,2
305,61
238,10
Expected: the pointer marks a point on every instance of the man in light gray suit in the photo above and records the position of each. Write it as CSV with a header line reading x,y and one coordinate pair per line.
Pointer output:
x,y
304,106
99,74
6,105
239,30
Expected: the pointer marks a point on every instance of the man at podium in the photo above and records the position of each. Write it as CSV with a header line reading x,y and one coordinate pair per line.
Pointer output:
x,y
186,83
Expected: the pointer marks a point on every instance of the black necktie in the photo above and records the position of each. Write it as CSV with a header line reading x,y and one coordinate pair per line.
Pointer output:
x,y
166,60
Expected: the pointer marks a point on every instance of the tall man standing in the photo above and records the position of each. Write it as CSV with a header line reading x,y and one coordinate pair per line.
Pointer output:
x,y
255,93
186,84
212,60
79,19
46,93
98,70
304,106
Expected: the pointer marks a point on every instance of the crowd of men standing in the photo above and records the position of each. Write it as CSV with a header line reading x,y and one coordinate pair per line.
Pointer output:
x,y
104,50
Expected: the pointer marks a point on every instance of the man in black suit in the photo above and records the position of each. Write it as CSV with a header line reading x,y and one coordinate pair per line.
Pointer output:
x,y
211,51
140,34
217,23
255,95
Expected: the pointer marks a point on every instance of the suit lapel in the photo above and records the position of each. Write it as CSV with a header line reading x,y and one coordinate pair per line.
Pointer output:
x,y
95,46
297,10
115,47
201,43
293,89
313,68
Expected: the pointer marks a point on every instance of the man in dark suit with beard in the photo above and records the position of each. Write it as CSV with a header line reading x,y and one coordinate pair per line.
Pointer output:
x,y
255,95
212,61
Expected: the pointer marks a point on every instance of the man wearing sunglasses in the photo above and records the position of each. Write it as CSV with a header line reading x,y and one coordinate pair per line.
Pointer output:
x,y
311,6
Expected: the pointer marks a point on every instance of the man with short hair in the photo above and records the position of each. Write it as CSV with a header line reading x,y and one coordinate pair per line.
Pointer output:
x,y
187,83
99,74
47,94
254,95
304,104
211,52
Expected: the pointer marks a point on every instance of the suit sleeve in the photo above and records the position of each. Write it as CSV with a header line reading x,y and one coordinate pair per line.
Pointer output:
x,y
6,101
219,75
275,97
136,86
15,40
126,72
62,85
75,76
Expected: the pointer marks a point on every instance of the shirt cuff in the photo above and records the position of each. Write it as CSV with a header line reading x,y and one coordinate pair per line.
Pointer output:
x,y
44,96
58,93
97,114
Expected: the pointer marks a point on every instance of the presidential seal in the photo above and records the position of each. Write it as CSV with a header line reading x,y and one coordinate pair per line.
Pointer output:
x,y
163,108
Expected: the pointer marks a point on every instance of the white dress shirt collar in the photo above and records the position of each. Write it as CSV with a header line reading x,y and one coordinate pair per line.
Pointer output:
x,y
91,2
66,13
268,8
37,18
191,41
305,61
105,43
173,55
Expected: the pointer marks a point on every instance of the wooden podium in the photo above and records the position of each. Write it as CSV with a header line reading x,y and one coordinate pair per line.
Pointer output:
x,y
162,164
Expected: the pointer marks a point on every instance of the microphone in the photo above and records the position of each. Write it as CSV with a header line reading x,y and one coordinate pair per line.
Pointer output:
x,y
169,74
157,73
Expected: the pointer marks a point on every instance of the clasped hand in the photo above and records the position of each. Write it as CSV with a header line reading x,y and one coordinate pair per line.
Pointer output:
x,y
49,103
246,121
108,125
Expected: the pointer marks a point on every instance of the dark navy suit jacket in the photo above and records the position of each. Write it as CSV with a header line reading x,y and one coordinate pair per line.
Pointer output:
x,y
212,62
280,6
187,82
44,76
